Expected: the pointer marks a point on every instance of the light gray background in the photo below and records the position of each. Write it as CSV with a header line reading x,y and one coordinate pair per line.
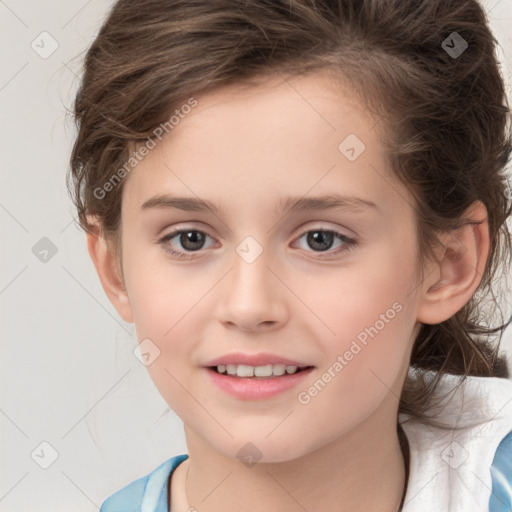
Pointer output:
x,y
68,373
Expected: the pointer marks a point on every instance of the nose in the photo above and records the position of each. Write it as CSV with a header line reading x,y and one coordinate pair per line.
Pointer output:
x,y
253,297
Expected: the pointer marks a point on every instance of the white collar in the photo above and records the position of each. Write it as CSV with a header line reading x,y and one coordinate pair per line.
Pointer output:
x,y
449,467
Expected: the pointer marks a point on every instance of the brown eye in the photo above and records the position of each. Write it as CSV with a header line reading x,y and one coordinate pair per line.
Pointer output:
x,y
191,240
321,240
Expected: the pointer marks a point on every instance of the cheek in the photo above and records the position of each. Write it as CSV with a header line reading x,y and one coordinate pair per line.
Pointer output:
x,y
168,306
169,319
161,292
363,301
370,317
365,363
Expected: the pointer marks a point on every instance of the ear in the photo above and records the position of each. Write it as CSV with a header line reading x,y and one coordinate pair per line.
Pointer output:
x,y
451,281
108,268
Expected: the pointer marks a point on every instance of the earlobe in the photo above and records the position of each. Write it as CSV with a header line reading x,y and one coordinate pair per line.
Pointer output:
x,y
451,281
104,259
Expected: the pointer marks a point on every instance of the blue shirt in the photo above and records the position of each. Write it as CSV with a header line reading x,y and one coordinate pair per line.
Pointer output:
x,y
149,493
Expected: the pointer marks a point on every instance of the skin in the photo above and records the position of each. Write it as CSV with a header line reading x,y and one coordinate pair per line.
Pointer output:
x,y
245,148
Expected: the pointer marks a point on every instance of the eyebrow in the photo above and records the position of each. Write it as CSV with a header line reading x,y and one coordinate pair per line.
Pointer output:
x,y
291,204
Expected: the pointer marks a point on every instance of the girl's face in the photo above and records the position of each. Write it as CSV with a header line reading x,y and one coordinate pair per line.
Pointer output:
x,y
329,284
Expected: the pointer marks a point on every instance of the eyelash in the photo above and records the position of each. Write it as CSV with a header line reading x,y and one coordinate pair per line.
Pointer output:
x,y
349,243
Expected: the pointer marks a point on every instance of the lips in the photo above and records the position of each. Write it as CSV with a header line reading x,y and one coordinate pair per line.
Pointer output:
x,y
261,359
257,388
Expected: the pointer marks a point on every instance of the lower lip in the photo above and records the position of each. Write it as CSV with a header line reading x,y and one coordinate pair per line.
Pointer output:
x,y
257,388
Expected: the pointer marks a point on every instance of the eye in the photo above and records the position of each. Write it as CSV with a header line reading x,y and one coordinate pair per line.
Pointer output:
x,y
192,240
321,240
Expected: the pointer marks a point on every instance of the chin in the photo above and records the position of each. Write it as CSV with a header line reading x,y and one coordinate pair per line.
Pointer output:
x,y
256,449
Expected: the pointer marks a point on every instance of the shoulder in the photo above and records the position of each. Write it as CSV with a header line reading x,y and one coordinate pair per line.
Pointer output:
x,y
501,472
150,489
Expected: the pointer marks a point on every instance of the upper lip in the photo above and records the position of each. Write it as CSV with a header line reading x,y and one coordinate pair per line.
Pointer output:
x,y
261,359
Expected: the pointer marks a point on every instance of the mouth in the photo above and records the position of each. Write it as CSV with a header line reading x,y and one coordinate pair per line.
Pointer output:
x,y
269,371
262,382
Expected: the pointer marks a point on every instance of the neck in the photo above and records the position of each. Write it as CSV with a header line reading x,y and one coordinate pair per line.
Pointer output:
x,y
360,471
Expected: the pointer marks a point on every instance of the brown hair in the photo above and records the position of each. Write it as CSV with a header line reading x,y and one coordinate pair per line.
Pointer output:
x,y
449,141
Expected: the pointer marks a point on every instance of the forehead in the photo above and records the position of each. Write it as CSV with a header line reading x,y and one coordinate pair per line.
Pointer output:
x,y
280,105
281,135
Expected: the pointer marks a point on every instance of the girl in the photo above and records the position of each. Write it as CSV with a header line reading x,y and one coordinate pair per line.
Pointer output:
x,y
302,206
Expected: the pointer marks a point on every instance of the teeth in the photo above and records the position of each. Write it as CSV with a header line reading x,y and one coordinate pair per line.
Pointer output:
x,y
244,370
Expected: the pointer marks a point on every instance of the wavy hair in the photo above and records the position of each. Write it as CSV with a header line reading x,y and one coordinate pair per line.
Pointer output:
x,y
447,114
